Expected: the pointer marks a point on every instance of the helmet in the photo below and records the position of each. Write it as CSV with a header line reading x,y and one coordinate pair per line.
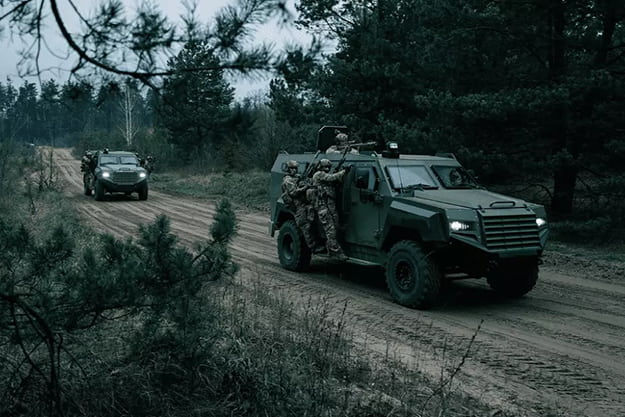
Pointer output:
x,y
341,138
325,163
455,177
292,164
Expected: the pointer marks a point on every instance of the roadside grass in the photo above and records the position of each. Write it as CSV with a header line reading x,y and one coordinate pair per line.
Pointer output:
x,y
244,189
307,341
608,253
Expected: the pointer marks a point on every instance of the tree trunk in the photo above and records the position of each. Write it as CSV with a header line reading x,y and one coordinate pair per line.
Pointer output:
x,y
609,24
565,173
565,178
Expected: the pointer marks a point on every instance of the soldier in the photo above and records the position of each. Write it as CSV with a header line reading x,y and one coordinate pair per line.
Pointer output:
x,y
455,178
294,196
341,144
88,162
84,162
147,163
325,205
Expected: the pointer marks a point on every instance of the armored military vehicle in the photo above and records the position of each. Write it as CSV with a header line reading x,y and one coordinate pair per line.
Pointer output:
x,y
113,172
424,219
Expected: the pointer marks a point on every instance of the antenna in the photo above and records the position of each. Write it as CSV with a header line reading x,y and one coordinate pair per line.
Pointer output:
x,y
401,183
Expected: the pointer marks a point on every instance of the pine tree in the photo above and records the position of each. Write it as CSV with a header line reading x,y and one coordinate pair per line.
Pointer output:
x,y
195,104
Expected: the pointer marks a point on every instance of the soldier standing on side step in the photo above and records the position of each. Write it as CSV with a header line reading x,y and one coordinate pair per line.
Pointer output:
x,y
325,184
294,196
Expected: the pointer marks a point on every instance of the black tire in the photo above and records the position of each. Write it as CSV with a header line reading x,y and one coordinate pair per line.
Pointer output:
x,y
99,191
514,279
293,252
143,192
413,278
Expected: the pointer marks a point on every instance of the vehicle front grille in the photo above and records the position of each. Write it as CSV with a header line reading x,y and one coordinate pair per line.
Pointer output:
x,y
511,232
125,177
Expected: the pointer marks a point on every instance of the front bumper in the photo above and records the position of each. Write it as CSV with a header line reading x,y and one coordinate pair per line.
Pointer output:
x,y
114,187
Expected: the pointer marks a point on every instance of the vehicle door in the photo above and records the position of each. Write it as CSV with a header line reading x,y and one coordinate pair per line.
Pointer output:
x,y
363,206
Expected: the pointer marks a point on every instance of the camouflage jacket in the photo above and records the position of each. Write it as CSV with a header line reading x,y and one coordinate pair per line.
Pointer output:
x,y
325,183
293,190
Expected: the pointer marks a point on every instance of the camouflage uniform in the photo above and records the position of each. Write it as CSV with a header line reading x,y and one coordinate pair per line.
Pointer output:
x,y
341,143
325,205
294,196
87,165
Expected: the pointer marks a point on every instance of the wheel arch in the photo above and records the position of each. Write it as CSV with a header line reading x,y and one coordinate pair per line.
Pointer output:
x,y
282,217
398,233
428,230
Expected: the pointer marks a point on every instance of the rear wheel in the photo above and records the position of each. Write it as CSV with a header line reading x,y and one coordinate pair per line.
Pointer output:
x,y
514,279
413,278
99,191
293,252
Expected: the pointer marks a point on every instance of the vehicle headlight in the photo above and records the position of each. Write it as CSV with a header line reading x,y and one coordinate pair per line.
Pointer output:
x,y
457,226
142,175
106,174
540,222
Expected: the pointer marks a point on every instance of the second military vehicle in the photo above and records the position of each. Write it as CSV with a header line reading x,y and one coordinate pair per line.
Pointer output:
x,y
424,219
113,172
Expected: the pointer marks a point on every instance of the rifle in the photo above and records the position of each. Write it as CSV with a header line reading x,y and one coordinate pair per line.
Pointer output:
x,y
348,147
343,157
311,165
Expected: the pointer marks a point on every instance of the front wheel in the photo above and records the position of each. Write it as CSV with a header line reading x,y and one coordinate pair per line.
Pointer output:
x,y
99,191
143,192
293,252
412,277
514,279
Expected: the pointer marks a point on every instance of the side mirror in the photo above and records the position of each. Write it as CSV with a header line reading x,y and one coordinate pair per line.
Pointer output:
x,y
283,167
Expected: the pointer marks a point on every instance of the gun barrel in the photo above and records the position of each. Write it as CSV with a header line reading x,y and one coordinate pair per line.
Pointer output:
x,y
310,166
362,143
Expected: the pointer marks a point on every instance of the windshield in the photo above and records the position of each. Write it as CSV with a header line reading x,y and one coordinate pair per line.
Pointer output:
x,y
107,160
454,177
129,160
125,160
410,176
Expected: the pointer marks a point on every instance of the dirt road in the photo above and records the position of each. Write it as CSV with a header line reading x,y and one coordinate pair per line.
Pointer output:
x,y
560,348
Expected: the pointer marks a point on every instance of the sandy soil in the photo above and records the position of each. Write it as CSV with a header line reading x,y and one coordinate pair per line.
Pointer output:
x,y
562,347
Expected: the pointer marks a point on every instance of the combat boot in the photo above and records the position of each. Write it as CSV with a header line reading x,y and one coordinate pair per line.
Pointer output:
x,y
338,254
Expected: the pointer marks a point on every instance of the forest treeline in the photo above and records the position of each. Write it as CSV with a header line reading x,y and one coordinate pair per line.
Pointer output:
x,y
527,94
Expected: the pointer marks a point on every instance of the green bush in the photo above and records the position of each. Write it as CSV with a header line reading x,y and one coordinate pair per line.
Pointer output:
x,y
65,293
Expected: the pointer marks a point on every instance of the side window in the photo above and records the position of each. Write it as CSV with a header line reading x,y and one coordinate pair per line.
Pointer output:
x,y
365,178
